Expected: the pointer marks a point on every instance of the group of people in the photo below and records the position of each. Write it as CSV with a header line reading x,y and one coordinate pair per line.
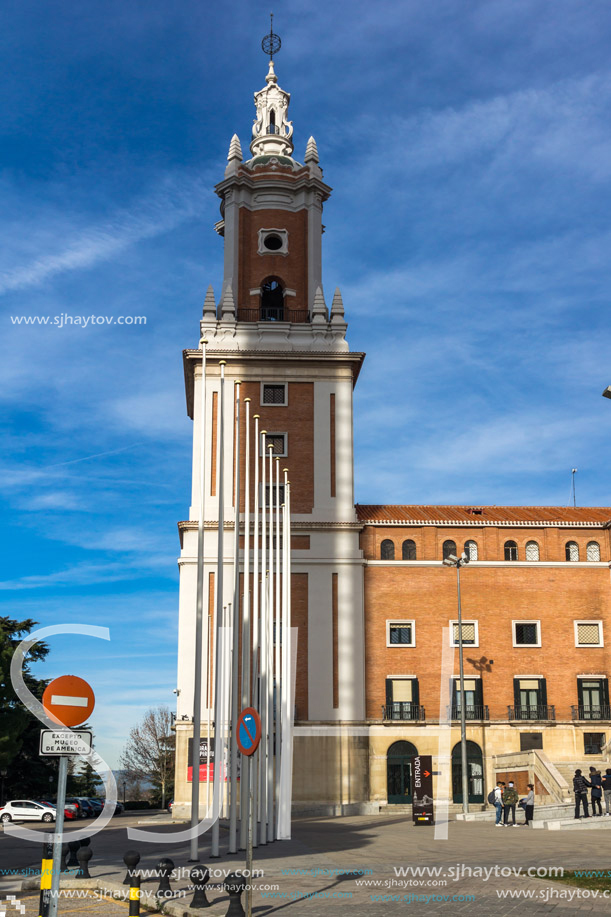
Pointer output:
x,y
506,798
598,785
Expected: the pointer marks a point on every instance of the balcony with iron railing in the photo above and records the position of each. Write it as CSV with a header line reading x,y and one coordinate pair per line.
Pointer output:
x,y
273,314
404,711
472,712
528,712
587,712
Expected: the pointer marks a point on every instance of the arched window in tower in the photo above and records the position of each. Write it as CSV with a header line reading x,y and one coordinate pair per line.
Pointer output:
x,y
571,551
471,549
271,127
408,550
532,550
593,551
272,300
511,550
387,550
449,549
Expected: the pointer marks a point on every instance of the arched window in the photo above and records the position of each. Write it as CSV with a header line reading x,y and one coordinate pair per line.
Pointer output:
x,y
471,549
387,550
511,550
408,550
449,548
272,300
271,128
593,551
532,550
571,551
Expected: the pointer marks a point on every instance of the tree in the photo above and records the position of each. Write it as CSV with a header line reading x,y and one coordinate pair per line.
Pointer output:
x,y
86,782
28,773
149,752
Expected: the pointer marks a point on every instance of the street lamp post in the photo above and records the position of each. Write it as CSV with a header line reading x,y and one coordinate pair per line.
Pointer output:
x,y
458,562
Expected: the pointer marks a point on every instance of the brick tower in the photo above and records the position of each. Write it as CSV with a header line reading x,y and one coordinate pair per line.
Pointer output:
x,y
277,335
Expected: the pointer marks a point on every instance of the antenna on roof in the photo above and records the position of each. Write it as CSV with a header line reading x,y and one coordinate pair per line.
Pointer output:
x,y
573,473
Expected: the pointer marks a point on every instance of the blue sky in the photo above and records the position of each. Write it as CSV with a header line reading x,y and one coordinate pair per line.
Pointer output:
x,y
469,146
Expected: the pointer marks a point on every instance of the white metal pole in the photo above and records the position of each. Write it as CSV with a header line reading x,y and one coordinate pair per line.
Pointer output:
x,y
279,638
255,623
235,660
270,682
286,783
245,686
263,754
199,615
218,745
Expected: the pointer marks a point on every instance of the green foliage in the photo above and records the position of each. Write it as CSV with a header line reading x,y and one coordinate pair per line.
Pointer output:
x,y
85,783
27,773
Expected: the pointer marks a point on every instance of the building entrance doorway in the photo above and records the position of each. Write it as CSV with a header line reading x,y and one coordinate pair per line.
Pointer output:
x,y
399,772
475,773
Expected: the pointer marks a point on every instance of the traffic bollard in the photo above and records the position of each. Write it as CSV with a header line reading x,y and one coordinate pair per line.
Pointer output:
x,y
134,896
45,880
73,846
84,855
234,886
64,859
164,870
199,876
131,858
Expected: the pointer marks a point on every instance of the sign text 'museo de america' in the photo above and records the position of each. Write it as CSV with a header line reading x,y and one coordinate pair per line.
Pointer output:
x,y
63,742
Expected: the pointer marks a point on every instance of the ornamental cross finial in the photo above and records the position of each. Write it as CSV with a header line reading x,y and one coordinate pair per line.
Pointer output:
x,y
271,44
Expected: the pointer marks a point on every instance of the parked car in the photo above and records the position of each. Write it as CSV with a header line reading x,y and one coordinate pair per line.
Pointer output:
x,y
69,813
170,804
26,810
86,807
119,808
96,804
75,804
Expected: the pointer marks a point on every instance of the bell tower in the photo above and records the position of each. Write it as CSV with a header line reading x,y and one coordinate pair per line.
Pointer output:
x,y
275,332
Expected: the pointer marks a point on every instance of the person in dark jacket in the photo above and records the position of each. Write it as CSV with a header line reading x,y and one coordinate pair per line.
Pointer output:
x,y
510,798
580,788
607,790
597,792
529,804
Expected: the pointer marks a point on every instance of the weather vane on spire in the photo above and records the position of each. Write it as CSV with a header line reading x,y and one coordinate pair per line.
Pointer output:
x,y
271,44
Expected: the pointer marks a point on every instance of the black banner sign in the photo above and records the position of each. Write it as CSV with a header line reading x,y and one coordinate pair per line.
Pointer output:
x,y
422,790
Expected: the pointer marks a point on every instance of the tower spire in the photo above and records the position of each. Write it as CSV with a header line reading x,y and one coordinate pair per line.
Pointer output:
x,y
272,132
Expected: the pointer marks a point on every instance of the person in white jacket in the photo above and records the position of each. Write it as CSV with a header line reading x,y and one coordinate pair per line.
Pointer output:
x,y
498,803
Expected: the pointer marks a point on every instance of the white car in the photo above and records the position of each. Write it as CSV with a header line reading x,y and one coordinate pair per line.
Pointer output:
x,y
26,810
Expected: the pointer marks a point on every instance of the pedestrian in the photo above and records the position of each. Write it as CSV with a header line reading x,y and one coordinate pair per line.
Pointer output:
x,y
498,802
607,790
529,804
580,788
510,798
596,784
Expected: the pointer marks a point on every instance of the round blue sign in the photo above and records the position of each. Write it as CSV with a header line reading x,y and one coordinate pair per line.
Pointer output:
x,y
248,731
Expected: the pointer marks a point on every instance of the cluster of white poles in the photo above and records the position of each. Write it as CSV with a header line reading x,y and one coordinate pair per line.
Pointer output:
x,y
258,794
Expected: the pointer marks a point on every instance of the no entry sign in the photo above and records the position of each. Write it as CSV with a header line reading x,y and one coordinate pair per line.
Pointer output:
x,y
69,700
248,731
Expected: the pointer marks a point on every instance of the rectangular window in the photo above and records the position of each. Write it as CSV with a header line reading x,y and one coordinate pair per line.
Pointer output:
x,y
402,699
474,699
278,443
273,393
593,743
593,697
470,635
588,633
526,633
273,495
400,633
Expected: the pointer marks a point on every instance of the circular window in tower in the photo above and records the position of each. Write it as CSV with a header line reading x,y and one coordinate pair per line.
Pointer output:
x,y
272,242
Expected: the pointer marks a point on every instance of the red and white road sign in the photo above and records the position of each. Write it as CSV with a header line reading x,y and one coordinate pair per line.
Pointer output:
x,y
69,700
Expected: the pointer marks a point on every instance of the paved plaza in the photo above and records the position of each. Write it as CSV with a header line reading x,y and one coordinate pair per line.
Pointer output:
x,y
371,865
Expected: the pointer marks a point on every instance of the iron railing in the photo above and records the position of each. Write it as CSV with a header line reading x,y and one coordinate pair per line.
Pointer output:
x,y
472,712
403,710
273,314
587,712
528,712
